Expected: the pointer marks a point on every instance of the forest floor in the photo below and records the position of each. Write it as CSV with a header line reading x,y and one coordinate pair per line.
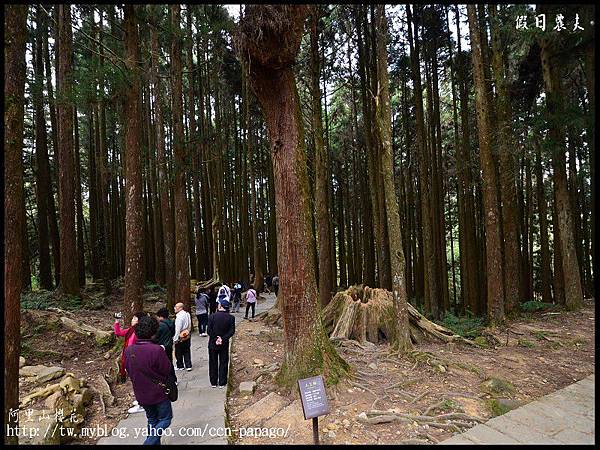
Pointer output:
x,y
534,355
46,341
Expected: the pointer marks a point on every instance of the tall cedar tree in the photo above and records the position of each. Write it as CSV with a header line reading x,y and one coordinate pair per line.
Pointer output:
x,y
493,237
321,168
552,69
383,117
134,220
270,56
15,36
182,250
69,274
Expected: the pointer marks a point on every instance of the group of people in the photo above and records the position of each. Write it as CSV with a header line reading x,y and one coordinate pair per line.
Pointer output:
x,y
151,340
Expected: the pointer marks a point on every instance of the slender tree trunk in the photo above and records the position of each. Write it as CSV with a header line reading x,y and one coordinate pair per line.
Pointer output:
x,y
79,204
15,38
43,186
544,247
134,221
163,178
321,168
182,265
69,283
495,285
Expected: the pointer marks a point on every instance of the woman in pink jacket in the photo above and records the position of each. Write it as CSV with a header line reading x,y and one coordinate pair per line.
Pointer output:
x,y
130,338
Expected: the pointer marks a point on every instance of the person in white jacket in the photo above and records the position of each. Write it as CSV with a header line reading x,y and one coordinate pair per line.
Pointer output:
x,y
183,338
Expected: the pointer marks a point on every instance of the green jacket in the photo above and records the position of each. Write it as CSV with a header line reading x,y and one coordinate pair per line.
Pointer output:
x,y
166,331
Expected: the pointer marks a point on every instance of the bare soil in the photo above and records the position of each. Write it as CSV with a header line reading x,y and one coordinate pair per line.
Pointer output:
x,y
537,354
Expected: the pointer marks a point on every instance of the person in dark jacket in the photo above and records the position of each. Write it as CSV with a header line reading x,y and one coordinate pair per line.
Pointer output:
x,y
145,363
165,333
221,327
212,299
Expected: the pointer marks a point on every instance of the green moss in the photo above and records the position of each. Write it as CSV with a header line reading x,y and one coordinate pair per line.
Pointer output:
x,y
321,358
481,342
106,340
536,306
496,408
497,386
525,343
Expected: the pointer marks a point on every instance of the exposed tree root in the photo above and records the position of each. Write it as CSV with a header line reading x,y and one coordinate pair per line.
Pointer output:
x,y
364,314
453,421
208,283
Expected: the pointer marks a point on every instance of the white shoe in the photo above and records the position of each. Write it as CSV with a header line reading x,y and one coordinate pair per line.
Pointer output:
x,y
213,386
135,403
189,369
135,409
179,368
221,387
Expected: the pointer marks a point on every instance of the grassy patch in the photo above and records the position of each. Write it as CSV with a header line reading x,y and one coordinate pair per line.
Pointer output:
x,y
578,342
466,326
41,299
532,306
525,343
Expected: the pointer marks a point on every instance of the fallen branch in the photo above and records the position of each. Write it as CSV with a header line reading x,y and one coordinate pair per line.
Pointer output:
x,y
363,387
434,407
419,397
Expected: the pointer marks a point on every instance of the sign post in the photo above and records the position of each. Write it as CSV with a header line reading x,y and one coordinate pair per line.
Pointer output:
x,y
314,401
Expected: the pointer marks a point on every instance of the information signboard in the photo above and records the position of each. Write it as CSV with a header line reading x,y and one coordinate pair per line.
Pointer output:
x,y
314,397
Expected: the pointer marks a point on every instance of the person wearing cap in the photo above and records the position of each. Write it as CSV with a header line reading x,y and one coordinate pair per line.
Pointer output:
x,y
221,327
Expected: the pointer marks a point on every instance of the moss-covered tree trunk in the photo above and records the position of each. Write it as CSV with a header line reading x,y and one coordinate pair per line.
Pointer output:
x,y
383,116
270,56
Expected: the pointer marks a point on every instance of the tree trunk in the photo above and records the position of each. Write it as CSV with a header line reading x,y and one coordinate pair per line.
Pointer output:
x,y
43,186
15,38
544,247
163,178
270,60
321,169
401,339
495,285
570,265
79,205
134,220
69,283
505,143
182,264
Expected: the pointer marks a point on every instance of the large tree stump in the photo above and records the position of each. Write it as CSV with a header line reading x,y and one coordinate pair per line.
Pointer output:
x,y
367,314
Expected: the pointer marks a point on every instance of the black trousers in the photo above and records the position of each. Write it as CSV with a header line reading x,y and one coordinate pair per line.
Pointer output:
x,y
218,364
183,354
248,305
202,322
169,352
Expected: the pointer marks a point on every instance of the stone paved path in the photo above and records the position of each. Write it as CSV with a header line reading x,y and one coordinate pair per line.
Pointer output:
x,y
566,416
200,409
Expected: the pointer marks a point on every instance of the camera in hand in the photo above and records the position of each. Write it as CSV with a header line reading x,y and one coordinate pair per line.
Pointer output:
x,y
118,315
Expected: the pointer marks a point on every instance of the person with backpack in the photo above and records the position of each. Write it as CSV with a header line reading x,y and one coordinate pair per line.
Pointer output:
x,y
250,301
221,327
148,367
182,339
202,307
